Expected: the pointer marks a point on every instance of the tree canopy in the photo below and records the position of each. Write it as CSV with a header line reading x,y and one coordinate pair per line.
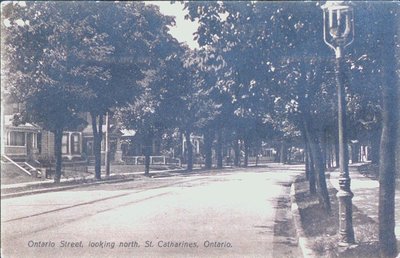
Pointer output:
x,y
262,73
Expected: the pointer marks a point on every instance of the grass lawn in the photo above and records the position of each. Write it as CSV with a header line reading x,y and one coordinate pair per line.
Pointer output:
x,y
321,229
10,174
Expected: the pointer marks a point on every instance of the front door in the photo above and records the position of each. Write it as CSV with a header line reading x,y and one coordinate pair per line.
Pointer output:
x,y
31,148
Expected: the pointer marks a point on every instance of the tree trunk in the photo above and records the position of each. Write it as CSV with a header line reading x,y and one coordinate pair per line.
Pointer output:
x,y
307,161
288,156
97,126
97,156
398,130
107,160
311,181
277,157
310,172
57,151
387,170
283,153
309,164
332,155
315,149
237,152
323,149
375,142
219,149
319,168
208,139
189,151
246,153
147,153
329,156
387,157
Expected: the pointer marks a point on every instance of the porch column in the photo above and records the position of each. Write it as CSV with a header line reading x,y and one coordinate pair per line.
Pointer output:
x,y
118,152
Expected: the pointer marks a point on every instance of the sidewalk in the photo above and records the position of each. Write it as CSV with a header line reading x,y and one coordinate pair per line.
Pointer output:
x,y
26,188
63,180
366,194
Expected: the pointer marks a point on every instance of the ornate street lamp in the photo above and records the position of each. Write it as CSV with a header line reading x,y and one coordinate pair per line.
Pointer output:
x,y
338,34
338,25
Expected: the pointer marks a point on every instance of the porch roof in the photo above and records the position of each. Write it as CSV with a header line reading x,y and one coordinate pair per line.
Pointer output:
x,y
27,127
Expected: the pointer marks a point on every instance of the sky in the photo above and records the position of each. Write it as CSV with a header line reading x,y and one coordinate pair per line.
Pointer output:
x,y
184,29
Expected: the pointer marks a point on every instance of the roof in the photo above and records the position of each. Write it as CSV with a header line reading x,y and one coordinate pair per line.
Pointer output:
x,y
128,133
8,122
88,131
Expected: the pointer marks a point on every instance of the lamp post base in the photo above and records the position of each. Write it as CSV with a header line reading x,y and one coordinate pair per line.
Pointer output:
x,y
346,232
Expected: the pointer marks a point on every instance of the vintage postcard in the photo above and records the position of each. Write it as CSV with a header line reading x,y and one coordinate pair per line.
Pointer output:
x,y
200,129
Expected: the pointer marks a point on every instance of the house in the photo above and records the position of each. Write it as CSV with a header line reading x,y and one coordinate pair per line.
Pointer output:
x,y
21,142
114,141
29,142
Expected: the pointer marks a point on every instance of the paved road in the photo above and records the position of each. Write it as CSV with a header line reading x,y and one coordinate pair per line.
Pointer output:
x,y
234,213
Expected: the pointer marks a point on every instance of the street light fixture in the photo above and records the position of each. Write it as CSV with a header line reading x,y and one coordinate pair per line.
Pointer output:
x,y
338,34
339,23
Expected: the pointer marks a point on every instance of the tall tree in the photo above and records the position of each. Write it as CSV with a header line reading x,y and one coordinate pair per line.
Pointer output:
x,y
198,109
150,111
46,63
241,86
135,35
145,117
387,167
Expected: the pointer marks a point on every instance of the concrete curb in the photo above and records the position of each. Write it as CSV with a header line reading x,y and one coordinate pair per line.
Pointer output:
x,y
301,236
62,188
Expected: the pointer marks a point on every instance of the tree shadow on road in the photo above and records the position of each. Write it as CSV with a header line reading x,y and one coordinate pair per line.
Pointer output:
x,y
285,237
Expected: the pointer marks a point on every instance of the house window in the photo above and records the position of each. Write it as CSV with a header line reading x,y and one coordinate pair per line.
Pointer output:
x,y
34,140
16,139
75,143
64,144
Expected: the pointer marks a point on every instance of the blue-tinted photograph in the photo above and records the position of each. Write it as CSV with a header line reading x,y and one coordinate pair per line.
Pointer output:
x,y
200,129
